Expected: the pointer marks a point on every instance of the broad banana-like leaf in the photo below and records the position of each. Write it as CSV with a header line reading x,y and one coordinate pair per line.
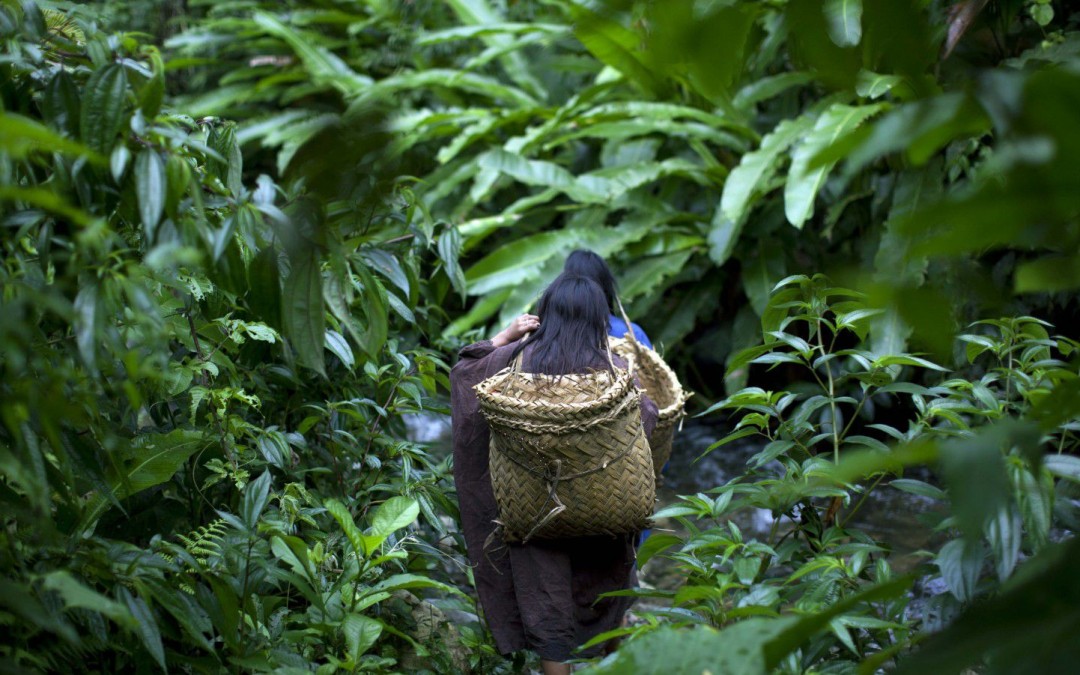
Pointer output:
x,y
644,276
920,129
803,183
486,29
756,168
723,235
479,313
518,261
74,594
542,174
623,129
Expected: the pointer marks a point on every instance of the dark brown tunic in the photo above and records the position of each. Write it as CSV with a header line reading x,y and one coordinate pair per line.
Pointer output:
x,y
541,595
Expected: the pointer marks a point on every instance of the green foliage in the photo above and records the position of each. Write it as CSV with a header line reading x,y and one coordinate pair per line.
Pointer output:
x,y
226,257
205,375
822,456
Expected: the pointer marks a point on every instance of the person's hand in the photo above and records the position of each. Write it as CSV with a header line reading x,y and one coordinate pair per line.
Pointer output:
x,y
526,323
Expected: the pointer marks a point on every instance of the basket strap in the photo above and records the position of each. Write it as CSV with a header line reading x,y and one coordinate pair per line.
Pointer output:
x,y
515,363
634,344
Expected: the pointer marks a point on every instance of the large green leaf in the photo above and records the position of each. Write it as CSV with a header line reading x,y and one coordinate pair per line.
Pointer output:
x,y
153,92
345,520
449,249
324,66
757,168
74,594
394,514
302,309
844,21
480,312
147,628
150,188
20,136
155,459
518,261
539,173
803,183
767,87
616,46
644,276
361,633
376,313
60,103
919,129
960,563
102,114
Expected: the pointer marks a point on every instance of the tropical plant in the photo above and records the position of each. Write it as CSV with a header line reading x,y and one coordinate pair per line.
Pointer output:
x,y
1004,497
231,272
205,375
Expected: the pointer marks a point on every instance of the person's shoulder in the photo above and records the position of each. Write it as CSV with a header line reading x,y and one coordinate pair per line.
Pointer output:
x,y
616,326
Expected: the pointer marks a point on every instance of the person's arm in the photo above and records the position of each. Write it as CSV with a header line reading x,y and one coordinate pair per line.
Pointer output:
x,y
526,323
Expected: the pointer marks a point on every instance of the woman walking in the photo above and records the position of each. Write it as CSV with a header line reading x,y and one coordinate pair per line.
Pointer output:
x,y
541,595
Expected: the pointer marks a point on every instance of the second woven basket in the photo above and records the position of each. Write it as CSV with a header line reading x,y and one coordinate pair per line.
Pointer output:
x,y
663,388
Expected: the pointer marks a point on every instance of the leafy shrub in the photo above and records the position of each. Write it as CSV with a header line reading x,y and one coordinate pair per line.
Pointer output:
x,y
1003,496
204,379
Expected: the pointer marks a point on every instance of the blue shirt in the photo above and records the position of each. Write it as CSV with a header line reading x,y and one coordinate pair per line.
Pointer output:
x,y
617,328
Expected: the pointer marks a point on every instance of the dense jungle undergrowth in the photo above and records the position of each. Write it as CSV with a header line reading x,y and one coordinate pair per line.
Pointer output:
x,y
242,241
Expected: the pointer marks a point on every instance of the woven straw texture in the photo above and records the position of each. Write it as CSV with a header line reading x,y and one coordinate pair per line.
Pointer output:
x,y
569,456
662,387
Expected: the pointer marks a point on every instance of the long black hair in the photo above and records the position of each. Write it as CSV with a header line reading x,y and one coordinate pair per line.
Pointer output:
x,y
585,263
572,337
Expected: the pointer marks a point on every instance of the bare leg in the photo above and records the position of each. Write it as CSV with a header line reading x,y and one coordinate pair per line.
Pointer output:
x,y
555,668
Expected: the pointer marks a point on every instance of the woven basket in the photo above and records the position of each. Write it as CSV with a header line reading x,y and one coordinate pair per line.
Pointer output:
x,y
569,457
662,387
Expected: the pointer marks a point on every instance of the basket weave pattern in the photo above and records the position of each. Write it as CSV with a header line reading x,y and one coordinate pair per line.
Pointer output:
x,y
568,456
663,388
